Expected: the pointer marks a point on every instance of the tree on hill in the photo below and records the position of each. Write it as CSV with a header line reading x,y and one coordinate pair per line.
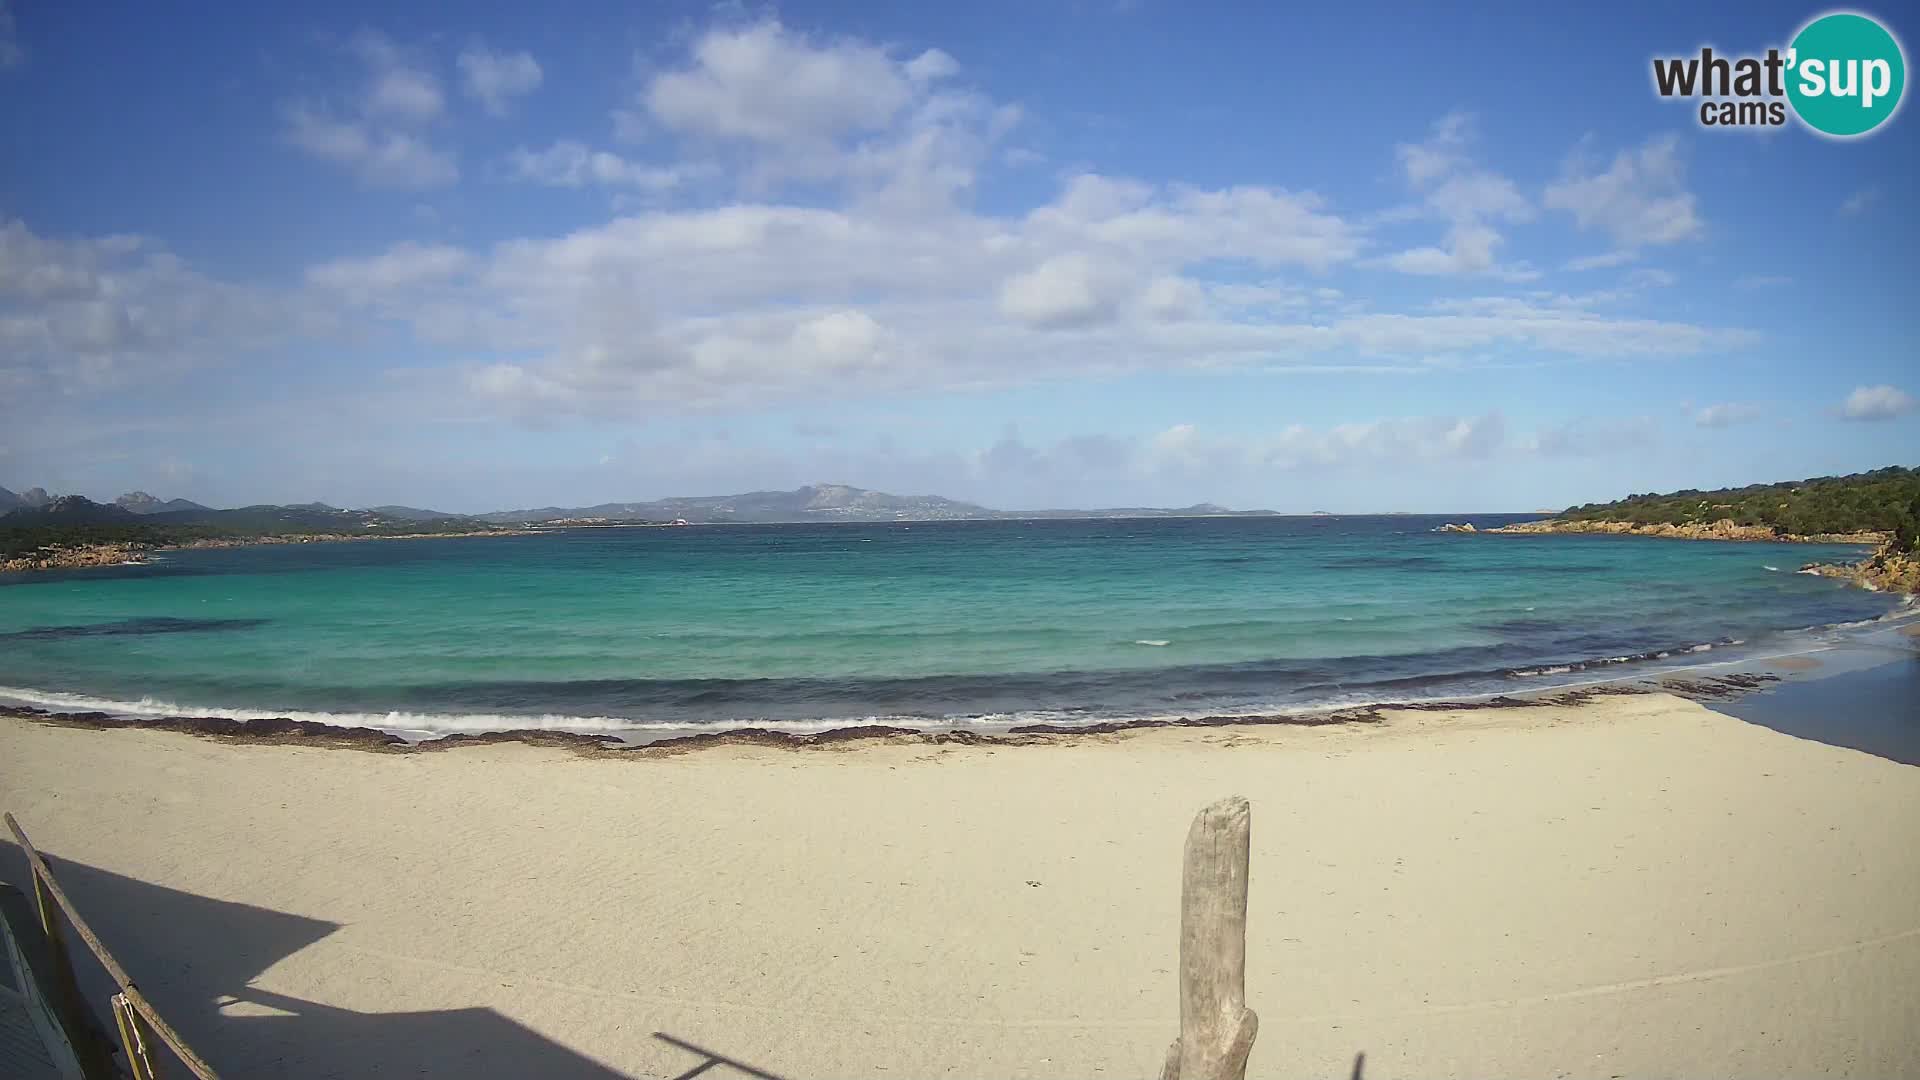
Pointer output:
x,y
1879,501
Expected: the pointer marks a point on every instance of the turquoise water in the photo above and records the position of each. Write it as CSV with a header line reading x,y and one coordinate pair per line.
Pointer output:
x,y
815,626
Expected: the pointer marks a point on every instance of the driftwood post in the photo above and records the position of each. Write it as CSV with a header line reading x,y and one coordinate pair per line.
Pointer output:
x,y
1216,1027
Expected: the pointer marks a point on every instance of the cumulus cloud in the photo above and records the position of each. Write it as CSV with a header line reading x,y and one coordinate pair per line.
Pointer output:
x,y
396,86
376,134
1881,402
1469,198
781,106
494,79
767,83
1062,292
573,164
1726,414
379,158
1641,199
102,312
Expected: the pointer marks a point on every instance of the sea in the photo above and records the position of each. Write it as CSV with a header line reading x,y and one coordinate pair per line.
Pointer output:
x,y
653,632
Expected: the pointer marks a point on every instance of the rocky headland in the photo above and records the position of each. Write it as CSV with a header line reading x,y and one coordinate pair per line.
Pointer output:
x,y
1886,570
1724,529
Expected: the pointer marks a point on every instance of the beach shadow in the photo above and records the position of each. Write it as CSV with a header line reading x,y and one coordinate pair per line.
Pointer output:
x,y
711,1059
195,958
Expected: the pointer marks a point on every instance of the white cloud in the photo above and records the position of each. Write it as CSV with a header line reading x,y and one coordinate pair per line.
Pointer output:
x,y
1602,261
1065,291
404,267
100,312
572,164
1641,199
495,78
779,106
1471,199
1881,402
379,158
377,137
1726,414
396,87
1185,447
881,273
769,84
1860,202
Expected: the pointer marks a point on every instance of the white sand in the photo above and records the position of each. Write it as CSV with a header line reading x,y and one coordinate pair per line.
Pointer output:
x,y
1634,887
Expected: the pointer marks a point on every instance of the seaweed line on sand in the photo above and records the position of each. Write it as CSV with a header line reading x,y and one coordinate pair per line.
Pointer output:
x,y
284,731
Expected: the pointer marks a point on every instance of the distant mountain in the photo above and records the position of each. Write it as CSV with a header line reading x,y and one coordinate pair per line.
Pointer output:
x,y
823,502
29,499
66,510
411,513
139,502
816,502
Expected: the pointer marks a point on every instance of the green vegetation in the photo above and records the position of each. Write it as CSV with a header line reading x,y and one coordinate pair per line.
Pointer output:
x,y
22,540
1884,500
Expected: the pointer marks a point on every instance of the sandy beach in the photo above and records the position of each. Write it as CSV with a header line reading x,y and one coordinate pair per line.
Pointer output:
x,y
1634,886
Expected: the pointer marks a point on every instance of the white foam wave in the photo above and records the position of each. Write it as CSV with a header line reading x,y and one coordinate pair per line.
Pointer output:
x,y
1155,642
391,721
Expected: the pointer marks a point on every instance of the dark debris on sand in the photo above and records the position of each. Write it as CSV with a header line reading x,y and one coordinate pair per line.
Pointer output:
x,y
282,730
263,729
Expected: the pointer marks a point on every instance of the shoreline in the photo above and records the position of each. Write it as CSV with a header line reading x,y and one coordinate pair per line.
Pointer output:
x,y
271,730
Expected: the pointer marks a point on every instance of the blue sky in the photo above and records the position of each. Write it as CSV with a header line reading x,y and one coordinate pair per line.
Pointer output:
x,y
1049,253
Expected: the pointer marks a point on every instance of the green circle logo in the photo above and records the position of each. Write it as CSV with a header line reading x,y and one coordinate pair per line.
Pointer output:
x,y
1845,74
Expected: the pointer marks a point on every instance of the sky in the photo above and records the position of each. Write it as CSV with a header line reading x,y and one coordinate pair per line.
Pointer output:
x,y
1050,253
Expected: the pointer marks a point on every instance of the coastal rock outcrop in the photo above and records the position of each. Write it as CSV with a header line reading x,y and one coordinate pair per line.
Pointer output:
x,y
61,558
1885,570
1450,527
1724,529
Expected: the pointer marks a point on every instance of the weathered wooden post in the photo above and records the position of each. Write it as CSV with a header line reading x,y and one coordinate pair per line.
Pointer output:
x,y
1216,1027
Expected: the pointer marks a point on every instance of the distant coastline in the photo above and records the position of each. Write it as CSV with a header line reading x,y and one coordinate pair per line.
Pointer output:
x,y
80,556
118,553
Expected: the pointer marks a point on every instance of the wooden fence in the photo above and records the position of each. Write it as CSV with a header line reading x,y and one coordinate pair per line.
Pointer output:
x,y
141,1028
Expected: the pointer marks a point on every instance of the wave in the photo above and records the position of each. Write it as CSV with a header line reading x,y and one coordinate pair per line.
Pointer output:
x,y
1152,641
642,710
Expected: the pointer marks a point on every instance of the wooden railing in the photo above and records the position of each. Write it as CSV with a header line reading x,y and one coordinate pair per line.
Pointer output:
x,y
140,1024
